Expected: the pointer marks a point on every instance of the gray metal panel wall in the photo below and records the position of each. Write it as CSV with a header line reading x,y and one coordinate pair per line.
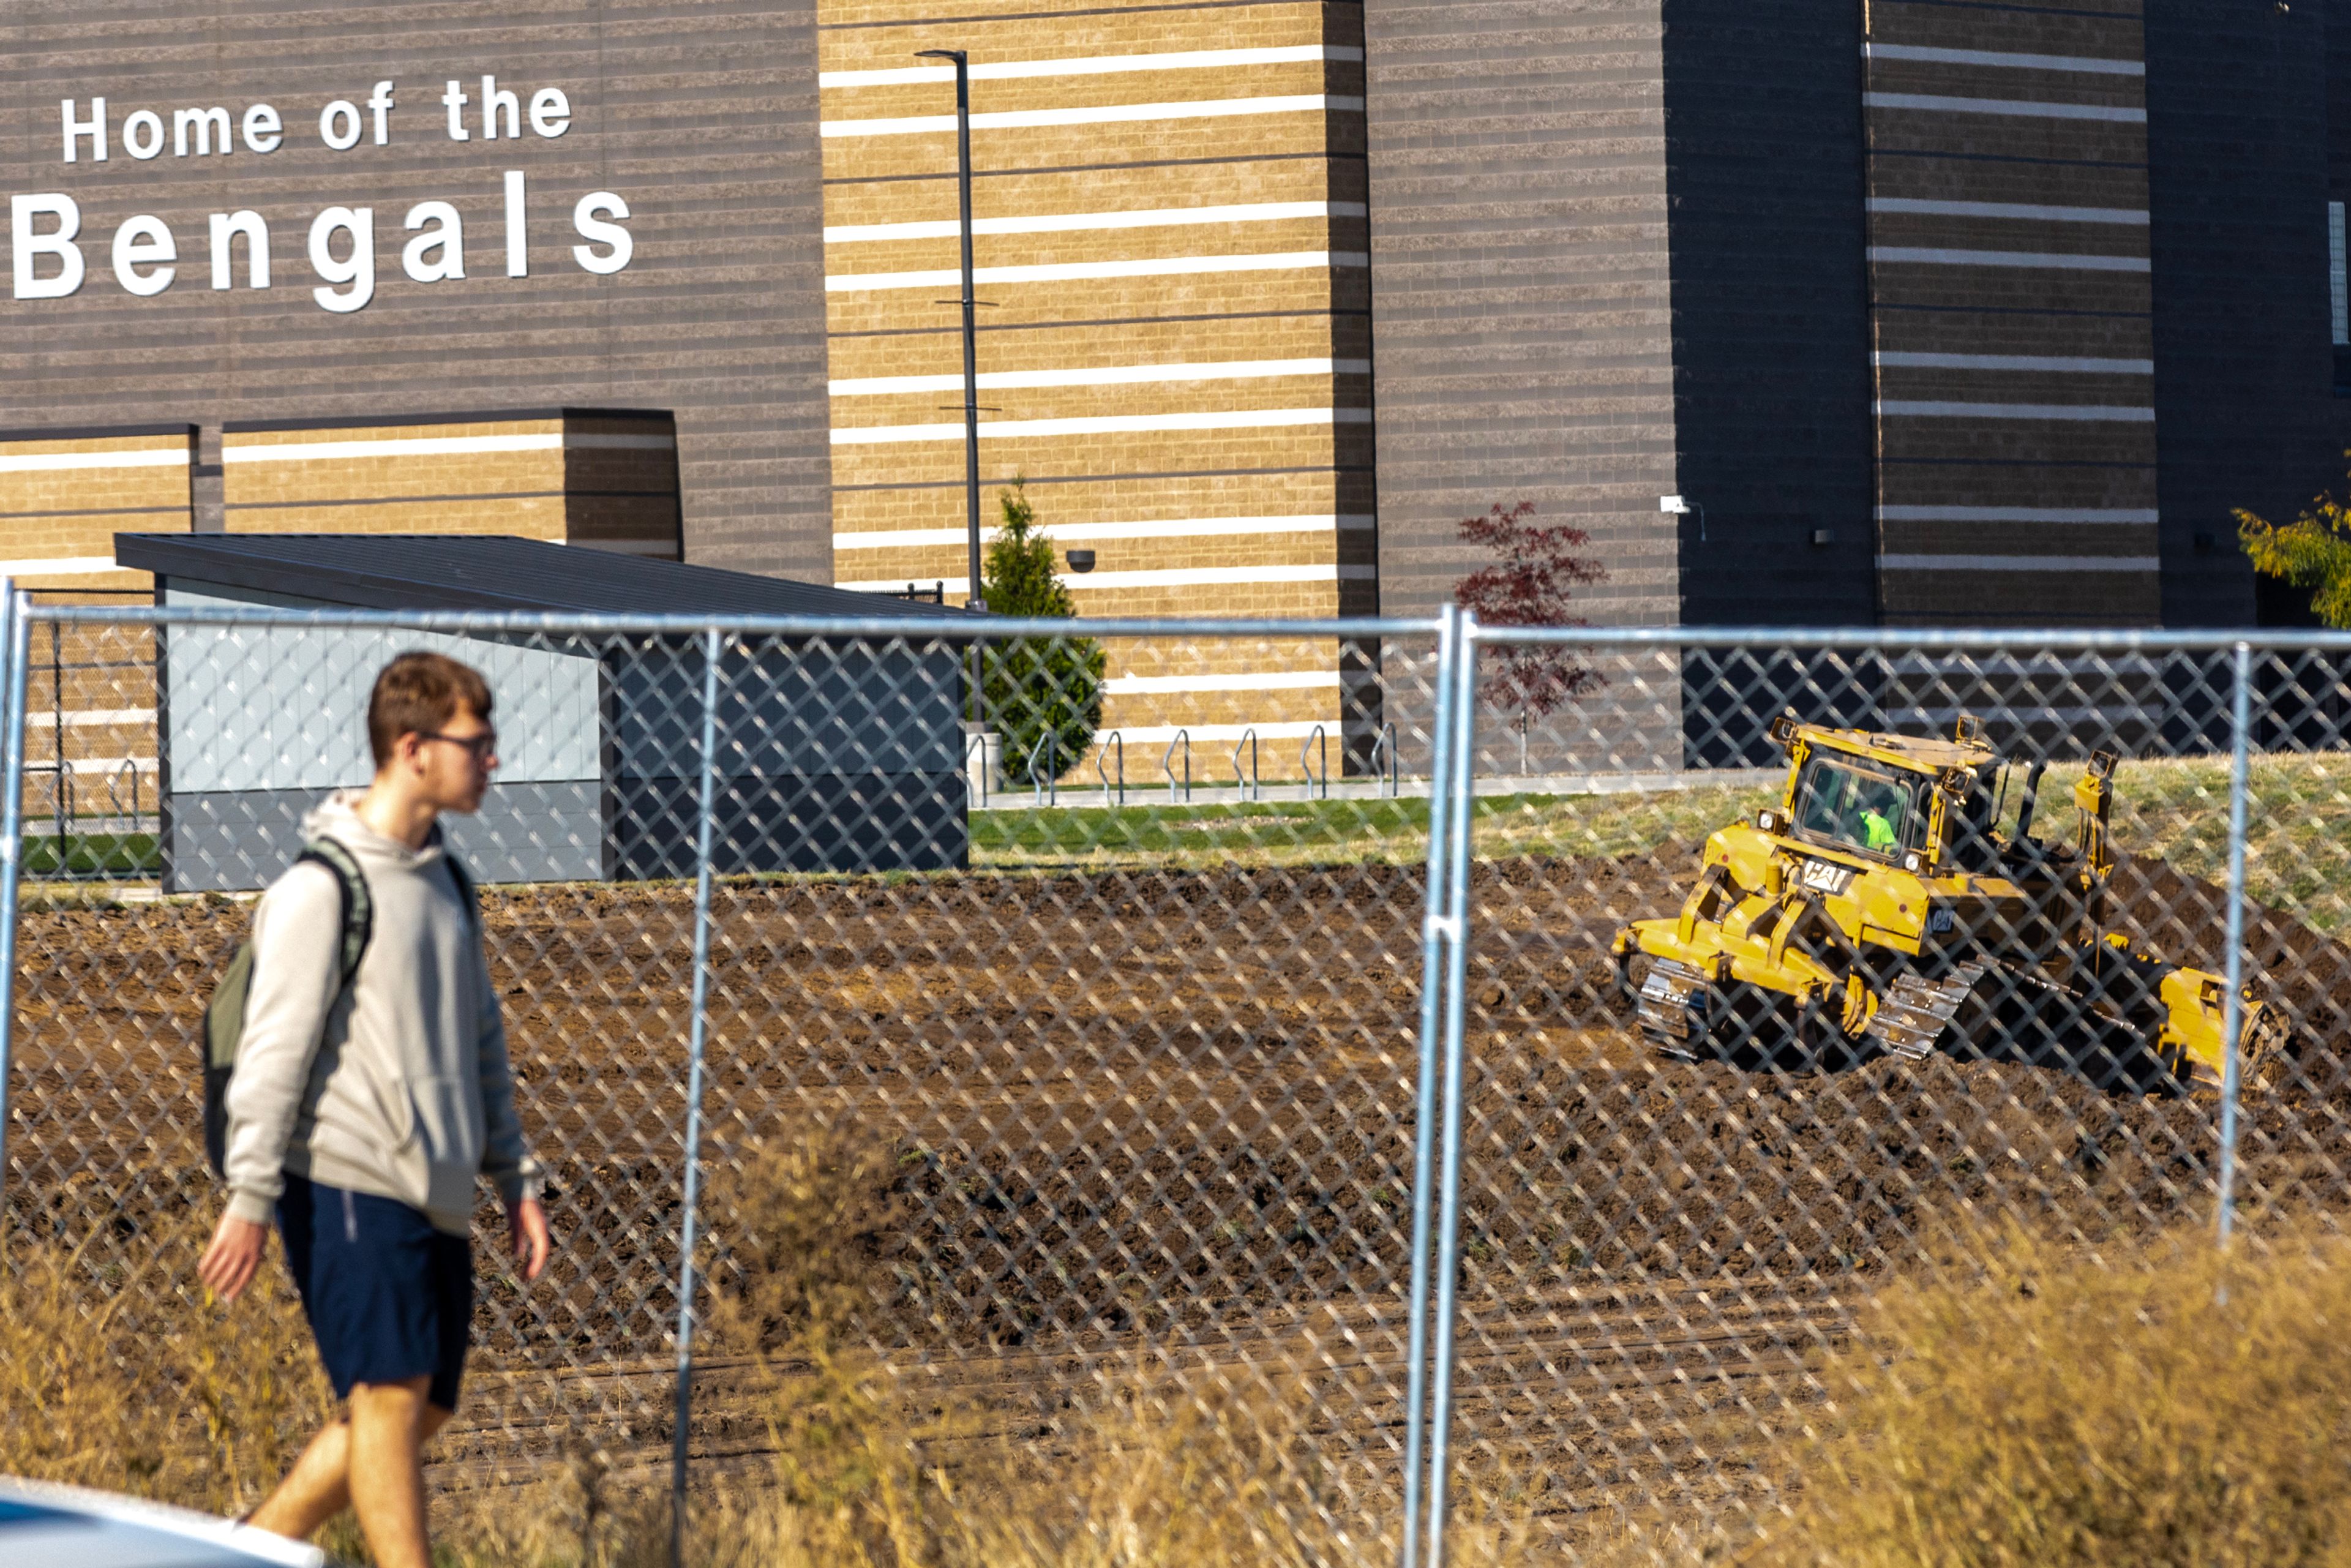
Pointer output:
x,y
702,114
228,841
1772,392
2237,151
1522,336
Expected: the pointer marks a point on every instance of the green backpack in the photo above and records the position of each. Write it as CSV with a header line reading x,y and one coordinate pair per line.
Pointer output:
x,y
225,1014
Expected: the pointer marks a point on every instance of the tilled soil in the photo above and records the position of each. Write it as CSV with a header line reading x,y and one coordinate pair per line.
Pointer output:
x,y
1157,1125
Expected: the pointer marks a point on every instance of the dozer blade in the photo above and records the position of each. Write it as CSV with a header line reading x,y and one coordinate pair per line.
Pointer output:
x,y
1916,1010
1673,1006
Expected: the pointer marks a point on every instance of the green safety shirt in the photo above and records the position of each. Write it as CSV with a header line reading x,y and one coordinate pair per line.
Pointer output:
x,y
1879,833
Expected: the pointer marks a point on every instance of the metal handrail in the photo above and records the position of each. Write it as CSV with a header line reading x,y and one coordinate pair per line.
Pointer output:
x,y
978,743
1050,787
1315,737
1181,737
1249,738
1120,741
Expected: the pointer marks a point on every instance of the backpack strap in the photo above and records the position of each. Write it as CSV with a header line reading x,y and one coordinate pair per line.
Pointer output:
x,y
358,903
468,893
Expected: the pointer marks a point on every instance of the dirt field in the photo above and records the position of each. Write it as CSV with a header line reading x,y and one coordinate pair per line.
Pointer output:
x,y
1157,1127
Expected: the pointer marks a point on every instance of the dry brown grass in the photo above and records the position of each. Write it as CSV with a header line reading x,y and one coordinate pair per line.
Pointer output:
x,y
201,1405
2054,1406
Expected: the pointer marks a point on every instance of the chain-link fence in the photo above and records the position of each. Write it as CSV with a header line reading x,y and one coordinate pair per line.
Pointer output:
x,y
1514,1088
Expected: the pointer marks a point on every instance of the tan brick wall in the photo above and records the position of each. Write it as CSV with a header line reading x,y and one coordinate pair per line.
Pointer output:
x,y
65,497
1082,480
604,481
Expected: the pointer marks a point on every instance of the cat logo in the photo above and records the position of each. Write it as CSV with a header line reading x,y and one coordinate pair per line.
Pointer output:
x,y
1939,921
1828,876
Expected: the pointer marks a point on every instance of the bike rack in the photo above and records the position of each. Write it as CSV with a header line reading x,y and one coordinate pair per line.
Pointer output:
x,y
1315,738
978,743
1119,741
1386,768
1249,738
1050,787
1182,738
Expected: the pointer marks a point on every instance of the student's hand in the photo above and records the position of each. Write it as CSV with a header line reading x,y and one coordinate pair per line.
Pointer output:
x,y
228,1264
526,1227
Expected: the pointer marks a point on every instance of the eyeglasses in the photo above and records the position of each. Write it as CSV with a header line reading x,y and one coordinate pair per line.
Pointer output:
x,y
482,746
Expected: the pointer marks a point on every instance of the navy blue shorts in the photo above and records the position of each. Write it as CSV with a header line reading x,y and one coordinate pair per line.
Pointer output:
x,y
387,1297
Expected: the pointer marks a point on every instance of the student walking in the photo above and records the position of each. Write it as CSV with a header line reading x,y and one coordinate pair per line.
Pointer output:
x,y
360,1115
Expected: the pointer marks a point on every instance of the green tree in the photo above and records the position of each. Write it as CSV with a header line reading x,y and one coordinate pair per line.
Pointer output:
x,y
2313,552
1033,686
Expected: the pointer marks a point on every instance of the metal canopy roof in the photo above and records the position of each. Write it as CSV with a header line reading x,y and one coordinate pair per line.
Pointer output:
x,y
484,571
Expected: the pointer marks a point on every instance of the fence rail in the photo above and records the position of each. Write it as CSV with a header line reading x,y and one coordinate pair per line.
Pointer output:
x,y
1502,1122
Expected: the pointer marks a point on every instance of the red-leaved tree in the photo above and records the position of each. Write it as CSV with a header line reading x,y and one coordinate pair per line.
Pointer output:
x,y
1530,584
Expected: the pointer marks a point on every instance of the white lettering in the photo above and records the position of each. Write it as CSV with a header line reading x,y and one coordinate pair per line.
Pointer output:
x,y
94,127
379,104
346,111
203,120
587,218
518,242
358,272
225,227
456,99
140,242
446,235
142,134
58,242
550,111
495,99
262,129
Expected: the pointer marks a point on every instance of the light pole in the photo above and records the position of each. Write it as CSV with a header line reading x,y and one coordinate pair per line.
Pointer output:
x,y
962,62
970,305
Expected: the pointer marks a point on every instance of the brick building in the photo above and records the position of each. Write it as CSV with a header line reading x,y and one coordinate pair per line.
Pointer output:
x,y
1931,311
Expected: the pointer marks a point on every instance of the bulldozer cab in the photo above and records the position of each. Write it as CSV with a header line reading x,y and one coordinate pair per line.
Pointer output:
x,y
1861,805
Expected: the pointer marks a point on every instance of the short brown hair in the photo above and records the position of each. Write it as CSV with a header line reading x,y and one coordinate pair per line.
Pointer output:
x,y
418,692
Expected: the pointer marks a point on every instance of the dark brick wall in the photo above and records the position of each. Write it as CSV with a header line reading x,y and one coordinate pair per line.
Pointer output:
x,y
1521,345
2237,143
1770,317
700,113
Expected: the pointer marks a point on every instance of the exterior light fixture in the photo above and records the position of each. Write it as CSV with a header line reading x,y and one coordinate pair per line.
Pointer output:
x,y
1081,561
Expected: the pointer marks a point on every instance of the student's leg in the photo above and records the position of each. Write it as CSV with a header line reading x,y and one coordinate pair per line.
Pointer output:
x,y
318,1486
388,1428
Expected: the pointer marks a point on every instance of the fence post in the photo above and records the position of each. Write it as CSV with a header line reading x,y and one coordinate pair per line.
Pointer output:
x,y
2233,1015
1423,1153
699,1033
16,648
1460,785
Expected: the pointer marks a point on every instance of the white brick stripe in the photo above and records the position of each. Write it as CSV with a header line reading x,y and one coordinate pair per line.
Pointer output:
x,y
1087,223
2128,216
1078,271
1897,360
56,462
2086,64
1251,681
1100,114
2019,562
1093,65
1177,577
237,449
2104,412
2028,108
1167,529
2058,261
1103,424
1105,376
2018,514
60,566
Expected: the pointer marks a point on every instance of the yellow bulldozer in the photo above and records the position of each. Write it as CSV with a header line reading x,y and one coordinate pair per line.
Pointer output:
x,y
1894,901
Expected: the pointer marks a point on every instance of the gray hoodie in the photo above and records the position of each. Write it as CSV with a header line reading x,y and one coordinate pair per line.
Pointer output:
x,y
399,1088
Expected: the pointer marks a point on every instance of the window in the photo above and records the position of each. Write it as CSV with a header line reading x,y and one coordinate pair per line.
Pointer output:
x,y
1857,807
